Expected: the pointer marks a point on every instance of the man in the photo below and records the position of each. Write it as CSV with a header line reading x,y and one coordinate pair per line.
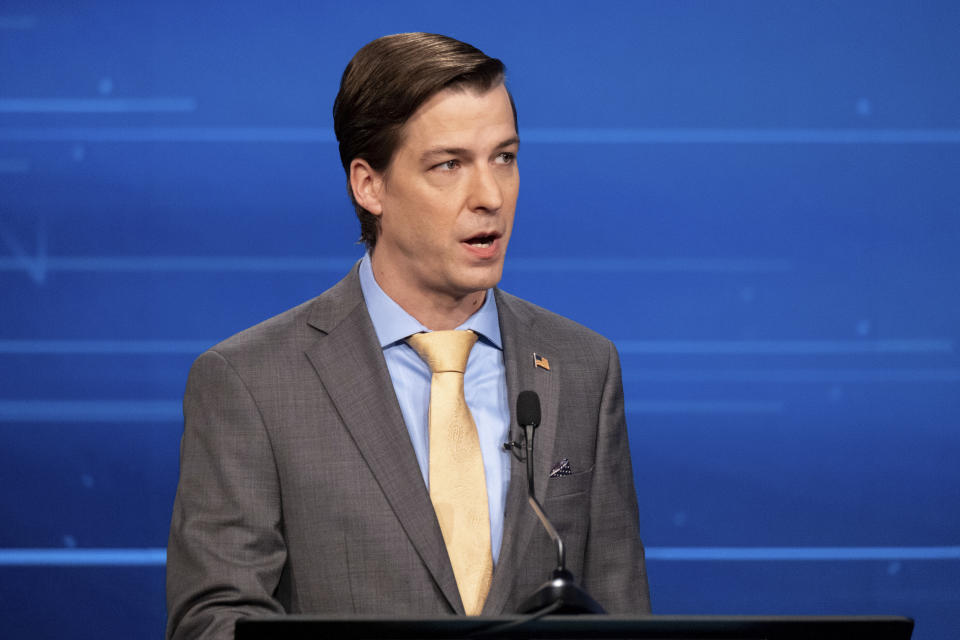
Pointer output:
x,y
316,471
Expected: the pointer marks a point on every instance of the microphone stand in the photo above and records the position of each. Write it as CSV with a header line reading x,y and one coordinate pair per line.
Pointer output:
x,y
561,593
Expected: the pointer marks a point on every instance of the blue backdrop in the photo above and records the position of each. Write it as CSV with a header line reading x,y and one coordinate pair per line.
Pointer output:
x,y
757,201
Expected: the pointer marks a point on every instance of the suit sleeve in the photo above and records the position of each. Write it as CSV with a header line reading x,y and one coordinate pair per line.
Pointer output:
x,y
226,550
614,569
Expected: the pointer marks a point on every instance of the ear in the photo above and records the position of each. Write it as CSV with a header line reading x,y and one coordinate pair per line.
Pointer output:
x,y
366,185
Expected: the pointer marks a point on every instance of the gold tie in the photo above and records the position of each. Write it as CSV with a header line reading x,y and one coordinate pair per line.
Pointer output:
x,y
458,487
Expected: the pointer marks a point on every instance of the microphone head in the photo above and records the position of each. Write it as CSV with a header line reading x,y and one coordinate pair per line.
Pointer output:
x,y
528,409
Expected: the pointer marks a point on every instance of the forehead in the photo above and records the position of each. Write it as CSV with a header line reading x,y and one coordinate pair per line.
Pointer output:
x,y
461,115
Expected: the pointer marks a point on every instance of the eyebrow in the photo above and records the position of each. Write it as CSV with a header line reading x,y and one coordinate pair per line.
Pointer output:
x,y
461,151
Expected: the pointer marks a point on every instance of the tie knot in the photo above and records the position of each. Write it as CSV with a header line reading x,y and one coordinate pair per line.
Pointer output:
x,y
444,351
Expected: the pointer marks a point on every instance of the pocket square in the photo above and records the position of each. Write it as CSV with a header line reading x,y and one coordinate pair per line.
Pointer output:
x,y
561,469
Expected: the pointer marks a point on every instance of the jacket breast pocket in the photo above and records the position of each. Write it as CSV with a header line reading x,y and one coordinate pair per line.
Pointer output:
x,y
567,504
569,485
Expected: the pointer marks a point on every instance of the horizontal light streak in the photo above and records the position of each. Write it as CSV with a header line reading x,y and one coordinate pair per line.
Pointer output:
x,y
168,134
96,105
90,411
158,556
533,135
784,347
701,407
585,135
803,553
268,264
170,410
179,264
109,347
83,557
795,375
626,265
39,346
14,165
18,23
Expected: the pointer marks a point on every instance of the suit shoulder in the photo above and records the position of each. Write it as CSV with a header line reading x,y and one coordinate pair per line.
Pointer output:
x,y
268,333
289,333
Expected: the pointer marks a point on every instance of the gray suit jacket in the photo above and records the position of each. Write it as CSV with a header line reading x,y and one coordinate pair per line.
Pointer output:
x,y
300,492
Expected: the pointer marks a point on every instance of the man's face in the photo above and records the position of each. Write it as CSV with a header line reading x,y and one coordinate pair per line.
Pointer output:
x,y
448,198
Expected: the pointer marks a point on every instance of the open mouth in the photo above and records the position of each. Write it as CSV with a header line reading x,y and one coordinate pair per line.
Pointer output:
x,y
483,241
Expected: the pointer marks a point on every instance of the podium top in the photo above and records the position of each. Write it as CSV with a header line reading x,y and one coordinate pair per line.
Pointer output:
x,y
296,627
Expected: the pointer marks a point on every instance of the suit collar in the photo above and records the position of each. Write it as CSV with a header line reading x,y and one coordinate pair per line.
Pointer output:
x,y
352,370
521,339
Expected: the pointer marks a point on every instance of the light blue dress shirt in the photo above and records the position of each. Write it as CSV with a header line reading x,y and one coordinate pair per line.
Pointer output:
x,y
485,388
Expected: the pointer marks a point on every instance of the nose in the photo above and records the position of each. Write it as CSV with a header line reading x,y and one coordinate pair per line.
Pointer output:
x,y
486,194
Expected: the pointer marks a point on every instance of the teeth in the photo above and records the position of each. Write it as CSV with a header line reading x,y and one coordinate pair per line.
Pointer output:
x,y
482,244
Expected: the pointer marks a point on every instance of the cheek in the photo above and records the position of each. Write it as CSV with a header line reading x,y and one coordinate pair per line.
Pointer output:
x,y
510,187
514,193
441,210
424,212
403,209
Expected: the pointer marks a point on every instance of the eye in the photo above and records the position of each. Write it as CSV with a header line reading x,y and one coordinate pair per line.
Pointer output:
x,y
506,157
449,165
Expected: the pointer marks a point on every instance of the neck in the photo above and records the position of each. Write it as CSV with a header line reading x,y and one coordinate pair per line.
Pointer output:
x,y
435,311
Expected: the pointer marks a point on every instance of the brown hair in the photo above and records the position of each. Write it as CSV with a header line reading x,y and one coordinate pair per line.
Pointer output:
x,y
385,83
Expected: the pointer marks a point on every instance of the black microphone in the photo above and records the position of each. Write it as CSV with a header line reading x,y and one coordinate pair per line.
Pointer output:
x,y
528,416
528,413
561,593
528,408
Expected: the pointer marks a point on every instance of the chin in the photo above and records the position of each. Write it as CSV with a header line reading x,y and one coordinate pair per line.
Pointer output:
x,y
481,279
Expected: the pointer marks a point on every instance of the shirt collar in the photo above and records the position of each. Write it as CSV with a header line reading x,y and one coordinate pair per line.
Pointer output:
x,y
393,324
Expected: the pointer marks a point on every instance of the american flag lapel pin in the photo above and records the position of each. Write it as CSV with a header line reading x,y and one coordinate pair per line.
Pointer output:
x,y
540,361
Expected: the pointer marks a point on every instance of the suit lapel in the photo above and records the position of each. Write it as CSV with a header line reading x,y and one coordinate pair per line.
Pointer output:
x,y
353,372
520,342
